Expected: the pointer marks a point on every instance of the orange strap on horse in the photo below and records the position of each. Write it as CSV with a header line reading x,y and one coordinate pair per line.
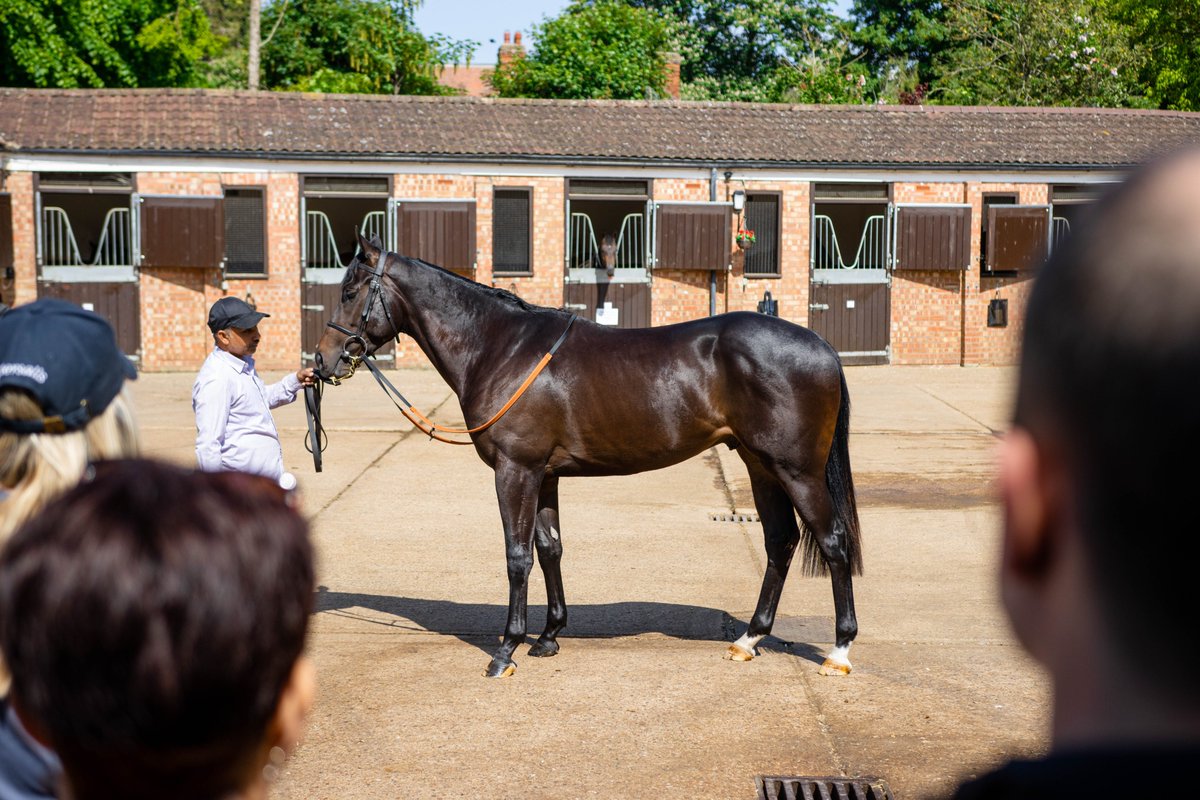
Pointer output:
x,y
541,365
430,426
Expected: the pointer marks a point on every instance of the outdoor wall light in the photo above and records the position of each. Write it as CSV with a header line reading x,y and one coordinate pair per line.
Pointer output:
x,y
739,200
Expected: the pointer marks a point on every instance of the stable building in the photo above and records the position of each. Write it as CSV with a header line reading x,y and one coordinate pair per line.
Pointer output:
x,y
904,235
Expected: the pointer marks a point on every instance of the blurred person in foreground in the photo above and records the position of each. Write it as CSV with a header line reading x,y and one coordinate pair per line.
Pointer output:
x,y
1096,476
234,427
154,620
64,402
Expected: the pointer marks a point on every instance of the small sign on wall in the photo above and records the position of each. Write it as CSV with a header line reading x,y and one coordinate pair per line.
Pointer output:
x,y
88,307
849,304
997,313
608,314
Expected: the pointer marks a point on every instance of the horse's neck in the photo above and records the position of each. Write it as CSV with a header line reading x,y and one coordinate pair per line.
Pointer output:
x,y
444,316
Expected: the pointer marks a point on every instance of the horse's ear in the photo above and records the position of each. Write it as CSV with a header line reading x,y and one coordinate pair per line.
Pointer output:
x,y
369,249
376,241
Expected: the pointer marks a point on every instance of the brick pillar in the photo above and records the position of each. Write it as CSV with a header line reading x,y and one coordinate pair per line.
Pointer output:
x,y
671,85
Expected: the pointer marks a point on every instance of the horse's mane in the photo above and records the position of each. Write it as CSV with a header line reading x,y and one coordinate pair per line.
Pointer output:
x,y
490,291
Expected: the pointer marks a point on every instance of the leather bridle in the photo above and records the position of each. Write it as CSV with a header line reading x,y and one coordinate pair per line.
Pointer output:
x,y
374,292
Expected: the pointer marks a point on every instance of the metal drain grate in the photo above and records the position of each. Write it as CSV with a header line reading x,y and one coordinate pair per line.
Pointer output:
x,y
773,788
732,516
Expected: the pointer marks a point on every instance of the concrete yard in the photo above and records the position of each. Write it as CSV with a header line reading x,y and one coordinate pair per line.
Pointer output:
x,y
640,703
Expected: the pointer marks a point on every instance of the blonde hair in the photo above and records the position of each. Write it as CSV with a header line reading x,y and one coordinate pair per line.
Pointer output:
x,y
36,467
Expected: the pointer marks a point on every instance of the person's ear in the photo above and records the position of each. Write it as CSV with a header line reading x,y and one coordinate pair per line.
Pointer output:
x,y
1025,495
295,703
1033,491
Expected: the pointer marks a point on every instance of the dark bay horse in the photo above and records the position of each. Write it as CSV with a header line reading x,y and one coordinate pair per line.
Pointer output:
x,y
617,402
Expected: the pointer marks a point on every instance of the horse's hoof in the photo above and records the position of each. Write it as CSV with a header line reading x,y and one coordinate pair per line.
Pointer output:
x,y
835,668
540,649
738,653
500,670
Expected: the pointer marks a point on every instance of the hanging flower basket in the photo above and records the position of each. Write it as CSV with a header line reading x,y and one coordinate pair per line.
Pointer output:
x,y
744,238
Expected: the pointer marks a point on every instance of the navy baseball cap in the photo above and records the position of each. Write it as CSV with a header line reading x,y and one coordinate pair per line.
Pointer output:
x,y
64,356
233,312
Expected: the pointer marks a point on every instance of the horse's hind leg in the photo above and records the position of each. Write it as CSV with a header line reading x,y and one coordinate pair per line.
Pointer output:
x,y
780,534
812,499
547,537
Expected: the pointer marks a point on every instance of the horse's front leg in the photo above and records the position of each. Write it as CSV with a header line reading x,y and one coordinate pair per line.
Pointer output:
x,y
549,551
517,490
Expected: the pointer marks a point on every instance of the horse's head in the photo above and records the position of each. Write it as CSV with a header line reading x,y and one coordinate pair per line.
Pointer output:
x,y
608,253
363,321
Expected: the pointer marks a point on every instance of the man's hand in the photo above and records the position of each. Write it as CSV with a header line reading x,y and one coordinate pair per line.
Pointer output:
x,y
305,376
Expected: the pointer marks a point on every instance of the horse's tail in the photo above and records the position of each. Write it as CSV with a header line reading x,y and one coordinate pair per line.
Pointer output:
x,y
841,489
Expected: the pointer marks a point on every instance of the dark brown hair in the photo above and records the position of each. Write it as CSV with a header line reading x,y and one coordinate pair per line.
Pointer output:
x,y
151,618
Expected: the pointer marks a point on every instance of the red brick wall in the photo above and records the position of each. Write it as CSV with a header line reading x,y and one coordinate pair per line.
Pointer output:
x,y
677,295
940,317
927,305
20,186
981,344
175,301
791,289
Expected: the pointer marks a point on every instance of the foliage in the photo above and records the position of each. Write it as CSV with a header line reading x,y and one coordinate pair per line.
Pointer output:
x,y
602,50
1168,33
1035,52
821,77
365,46
900,39
230,20
762,50
171,47
103,43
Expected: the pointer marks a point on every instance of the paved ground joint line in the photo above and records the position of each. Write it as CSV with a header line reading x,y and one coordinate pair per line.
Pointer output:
x,y
404,435
958,410
804,669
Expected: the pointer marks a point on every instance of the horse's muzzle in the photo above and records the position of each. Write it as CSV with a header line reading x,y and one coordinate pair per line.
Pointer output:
x,y
325,374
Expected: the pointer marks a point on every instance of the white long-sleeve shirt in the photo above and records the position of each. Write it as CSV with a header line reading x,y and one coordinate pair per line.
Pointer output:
x,y
234,428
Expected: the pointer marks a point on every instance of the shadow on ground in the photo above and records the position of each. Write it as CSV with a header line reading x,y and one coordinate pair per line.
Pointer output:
x,y
480,624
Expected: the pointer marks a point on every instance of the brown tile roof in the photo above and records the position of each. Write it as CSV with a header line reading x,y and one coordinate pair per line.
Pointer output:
x,y
283,124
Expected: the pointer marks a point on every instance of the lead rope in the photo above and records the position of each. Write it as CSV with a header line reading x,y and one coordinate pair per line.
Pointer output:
x,y
428,427
317,439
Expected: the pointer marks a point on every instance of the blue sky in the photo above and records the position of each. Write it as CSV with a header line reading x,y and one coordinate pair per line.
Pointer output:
x,y
485,21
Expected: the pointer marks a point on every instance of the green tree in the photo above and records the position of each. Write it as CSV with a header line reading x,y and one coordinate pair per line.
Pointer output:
x,y
230,21
900,39
602,50
362,46
763,50
1168,33
1035,52
103,43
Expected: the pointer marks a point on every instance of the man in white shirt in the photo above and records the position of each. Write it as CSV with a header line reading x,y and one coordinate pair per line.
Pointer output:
x,y
234,428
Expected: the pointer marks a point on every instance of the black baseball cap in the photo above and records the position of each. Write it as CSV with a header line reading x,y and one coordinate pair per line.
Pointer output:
x,y
67,358
233,312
